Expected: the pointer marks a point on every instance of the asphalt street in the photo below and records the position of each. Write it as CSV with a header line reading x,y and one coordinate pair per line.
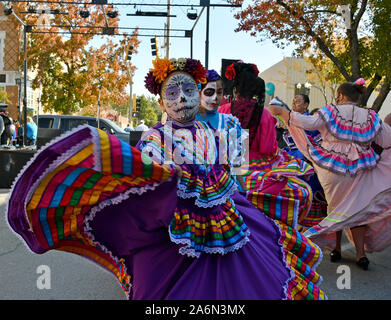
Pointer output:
x,y
75,278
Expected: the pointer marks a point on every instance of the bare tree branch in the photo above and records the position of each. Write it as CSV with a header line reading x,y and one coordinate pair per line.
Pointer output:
x,y
322,45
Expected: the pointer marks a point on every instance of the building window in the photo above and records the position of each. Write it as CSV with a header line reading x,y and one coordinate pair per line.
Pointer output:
x,y
3,78
30,98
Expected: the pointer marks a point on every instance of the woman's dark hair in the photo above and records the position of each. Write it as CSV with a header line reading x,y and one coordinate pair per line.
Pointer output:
x,y
313,111
352,91
306,98
248,84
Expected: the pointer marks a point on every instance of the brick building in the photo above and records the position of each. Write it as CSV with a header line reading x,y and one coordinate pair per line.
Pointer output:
x,y
10,73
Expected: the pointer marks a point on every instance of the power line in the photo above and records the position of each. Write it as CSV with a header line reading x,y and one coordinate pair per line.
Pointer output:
x,y
125,4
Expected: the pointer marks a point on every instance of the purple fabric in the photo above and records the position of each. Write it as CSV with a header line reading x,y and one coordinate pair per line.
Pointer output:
x,y
17,219
136,230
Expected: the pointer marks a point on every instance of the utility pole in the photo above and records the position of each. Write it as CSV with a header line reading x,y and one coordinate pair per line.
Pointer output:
x,y
168,29
207,36
130,74
25,85
98,109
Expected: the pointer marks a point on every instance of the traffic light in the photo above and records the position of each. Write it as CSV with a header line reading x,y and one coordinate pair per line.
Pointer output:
x,y
154,47
134,103
129,51
138,104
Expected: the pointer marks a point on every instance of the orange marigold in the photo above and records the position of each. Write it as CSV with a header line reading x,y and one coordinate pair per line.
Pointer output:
x,y
162,67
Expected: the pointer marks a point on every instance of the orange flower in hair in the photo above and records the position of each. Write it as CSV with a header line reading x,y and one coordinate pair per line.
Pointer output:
x,y
162,67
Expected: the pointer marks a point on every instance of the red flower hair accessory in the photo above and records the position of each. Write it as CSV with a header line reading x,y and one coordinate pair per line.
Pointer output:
x,y
230,73
256,71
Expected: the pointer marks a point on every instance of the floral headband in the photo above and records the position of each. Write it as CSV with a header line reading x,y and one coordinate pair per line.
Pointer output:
x,y
230,73
163,67
212,75
359,82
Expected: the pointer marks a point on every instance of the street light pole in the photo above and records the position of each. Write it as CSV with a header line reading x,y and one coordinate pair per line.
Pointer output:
x,y
25,87
98,111
207,37
168,29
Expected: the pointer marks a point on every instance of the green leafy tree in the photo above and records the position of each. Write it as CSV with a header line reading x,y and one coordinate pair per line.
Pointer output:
x,y
147,112
4,96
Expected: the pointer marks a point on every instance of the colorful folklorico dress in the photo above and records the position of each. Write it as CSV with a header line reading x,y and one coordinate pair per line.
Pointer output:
x,y
318,209
272,178
356,180
91,194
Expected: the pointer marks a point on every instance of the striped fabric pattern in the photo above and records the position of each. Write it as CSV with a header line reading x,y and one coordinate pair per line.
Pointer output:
x,y
290,206
281,163
340,163
315,215
215,233
64,198
302,256
208,191
348,131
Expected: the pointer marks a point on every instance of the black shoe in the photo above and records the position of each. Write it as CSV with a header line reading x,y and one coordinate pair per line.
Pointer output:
x,y
363,263
335,256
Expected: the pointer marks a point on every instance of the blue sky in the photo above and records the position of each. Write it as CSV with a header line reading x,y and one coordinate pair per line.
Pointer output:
x,y
224,42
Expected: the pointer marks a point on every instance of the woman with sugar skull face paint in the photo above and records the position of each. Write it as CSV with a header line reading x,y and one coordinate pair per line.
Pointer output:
x,y
158,232
207,195
211,96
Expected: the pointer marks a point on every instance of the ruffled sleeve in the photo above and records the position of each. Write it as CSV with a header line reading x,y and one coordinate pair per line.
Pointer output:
x,y
306,122
383,139
351,123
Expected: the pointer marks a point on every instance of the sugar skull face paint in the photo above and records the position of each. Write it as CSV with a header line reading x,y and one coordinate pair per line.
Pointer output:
x,y
211,95
180,97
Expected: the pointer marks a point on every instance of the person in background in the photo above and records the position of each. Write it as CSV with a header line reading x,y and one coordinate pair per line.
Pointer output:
x,y
32,131
387,119
141,126
1,127
355,179
6,135
272,177
300,104
128,128
318,209
211,95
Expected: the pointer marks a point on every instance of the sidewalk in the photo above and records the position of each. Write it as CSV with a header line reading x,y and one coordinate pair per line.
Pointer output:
x,y
3,195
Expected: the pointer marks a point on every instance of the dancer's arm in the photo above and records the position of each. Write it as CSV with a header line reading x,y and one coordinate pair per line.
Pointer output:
x,y
383,139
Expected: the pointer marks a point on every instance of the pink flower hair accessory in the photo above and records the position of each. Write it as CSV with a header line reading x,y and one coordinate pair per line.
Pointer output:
x,y
360,82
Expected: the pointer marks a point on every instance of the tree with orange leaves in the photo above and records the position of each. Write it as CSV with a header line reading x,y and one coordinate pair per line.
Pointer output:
x,y
352,42
69,70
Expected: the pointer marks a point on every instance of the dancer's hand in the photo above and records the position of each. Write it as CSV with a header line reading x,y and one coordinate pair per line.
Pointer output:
x,y
275,110
179,171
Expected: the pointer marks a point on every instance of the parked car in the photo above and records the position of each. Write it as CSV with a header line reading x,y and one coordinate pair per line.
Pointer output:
x,y
63,123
